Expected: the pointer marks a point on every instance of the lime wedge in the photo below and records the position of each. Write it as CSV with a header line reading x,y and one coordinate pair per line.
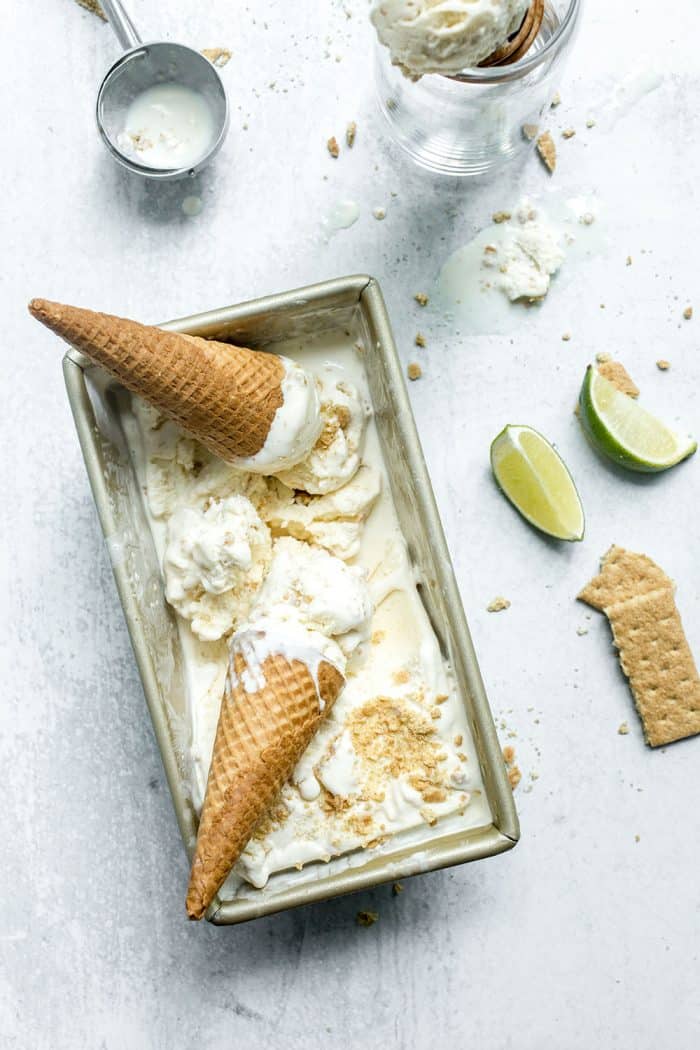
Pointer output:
x,y
625,432
535,479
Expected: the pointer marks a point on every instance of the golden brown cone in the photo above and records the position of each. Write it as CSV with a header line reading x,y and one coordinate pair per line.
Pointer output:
x,y
520,42
259,740
224,395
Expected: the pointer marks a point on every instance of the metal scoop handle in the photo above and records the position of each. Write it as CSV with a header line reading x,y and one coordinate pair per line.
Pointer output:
x,y
121,23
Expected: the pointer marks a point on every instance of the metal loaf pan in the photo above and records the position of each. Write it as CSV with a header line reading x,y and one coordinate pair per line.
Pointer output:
x,y
354,305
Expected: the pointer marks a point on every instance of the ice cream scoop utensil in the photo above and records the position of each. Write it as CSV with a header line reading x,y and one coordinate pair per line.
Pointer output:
x,y
146,66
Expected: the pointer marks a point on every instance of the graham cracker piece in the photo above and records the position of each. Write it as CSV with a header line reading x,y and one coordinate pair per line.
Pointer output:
x,y
637,597
547,151
218,56
624,575
499,604
618,375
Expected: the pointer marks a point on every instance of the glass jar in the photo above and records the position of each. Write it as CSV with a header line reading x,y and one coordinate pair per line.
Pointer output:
x,y
475,122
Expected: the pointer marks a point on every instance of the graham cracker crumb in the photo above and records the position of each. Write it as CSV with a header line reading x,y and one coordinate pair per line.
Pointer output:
x,y
379,213
514,774
623,729
547,151
602,358
350,133
333,147
514,777
93,7
581,631
663,365
420,339
414,370
421,298
401,677
218,56
498,605
366,918
397,888
568,133
458,740
688,313
377,637
530,131
566,337
337,417
330,803
620,378
501,216
590,123
392,739
428,816
556,100
343,415
636,595
361,824
272,820
628,260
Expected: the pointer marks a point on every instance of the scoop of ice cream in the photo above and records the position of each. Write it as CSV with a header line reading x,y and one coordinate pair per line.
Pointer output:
x,y
333,521
214,563
524,254
444,36
295,427
336,455
309,586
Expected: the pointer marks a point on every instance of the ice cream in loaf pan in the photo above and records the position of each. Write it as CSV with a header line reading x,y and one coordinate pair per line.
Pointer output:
x,y
394,760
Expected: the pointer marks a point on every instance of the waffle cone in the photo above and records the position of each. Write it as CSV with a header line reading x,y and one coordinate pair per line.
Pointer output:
x,y
259,740
226,396
520,42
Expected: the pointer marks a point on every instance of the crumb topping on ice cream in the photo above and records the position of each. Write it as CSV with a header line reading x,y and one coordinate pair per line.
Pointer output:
x,y
336,455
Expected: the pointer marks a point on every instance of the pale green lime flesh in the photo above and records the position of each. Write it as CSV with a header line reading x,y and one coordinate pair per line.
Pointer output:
x,y
536,481
625,432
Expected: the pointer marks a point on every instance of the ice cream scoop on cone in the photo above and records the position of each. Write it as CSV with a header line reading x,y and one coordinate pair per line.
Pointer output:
x,y
278,690
256,410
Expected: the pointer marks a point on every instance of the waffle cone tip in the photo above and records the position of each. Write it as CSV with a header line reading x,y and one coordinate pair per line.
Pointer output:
x,y
41,309
196,904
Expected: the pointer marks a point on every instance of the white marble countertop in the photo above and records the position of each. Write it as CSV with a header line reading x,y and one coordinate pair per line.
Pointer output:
x,y
587,933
